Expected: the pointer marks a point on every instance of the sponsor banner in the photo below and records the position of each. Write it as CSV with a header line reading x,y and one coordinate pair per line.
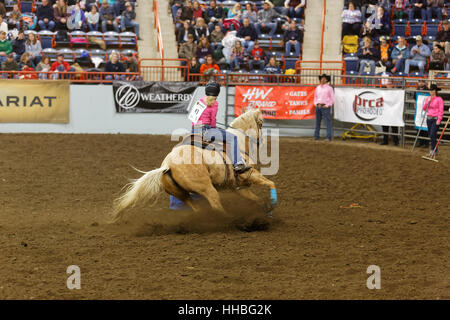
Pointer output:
x,y
144,96
370,106
34,101
294,103
420,116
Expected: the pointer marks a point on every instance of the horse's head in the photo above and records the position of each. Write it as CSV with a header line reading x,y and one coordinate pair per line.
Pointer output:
x,y
250,122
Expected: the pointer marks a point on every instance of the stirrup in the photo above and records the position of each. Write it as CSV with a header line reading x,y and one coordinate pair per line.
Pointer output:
x,y
242,170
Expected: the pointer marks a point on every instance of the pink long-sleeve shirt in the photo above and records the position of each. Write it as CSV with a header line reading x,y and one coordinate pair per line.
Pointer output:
x,y
209,114
324,94
436,108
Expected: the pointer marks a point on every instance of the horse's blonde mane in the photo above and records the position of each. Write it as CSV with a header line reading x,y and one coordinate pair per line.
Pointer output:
x,y
247,119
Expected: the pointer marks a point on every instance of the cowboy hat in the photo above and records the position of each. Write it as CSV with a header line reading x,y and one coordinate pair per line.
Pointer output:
x,y
434,87
325,76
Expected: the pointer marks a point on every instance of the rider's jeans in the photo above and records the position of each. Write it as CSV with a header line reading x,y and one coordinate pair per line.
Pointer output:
x,y
216,134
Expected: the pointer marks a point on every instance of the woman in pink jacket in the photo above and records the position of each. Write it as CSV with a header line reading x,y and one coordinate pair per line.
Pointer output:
x,y
206,125
435,111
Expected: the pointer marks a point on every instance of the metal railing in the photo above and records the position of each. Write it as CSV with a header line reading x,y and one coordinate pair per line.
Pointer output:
x,y
74,77
157,25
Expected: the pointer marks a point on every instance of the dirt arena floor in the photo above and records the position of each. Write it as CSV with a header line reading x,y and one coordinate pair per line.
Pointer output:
x,y
57,191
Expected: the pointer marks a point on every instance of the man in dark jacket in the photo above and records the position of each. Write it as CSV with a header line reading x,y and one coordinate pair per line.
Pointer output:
x,y
129,19
248,32
45,16
214,15
418,9
293,38
18,45
443,37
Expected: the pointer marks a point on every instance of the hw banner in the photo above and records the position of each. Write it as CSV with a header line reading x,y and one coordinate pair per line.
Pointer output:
x,y
25,101
295,103
370,106
157,97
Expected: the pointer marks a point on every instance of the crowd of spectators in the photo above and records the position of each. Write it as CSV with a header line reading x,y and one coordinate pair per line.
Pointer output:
x,y
213,37
23,52
369,24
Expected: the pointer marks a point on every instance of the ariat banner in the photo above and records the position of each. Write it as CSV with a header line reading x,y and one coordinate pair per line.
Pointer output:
x,y
369,106
294,103
148,96
25,101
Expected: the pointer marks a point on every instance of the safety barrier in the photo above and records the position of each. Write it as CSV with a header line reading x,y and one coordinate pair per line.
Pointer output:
x,y
157,26
164,69
74,77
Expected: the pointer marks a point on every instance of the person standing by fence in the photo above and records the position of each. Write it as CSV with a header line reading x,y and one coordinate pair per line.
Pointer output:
x,y
435,112
323,101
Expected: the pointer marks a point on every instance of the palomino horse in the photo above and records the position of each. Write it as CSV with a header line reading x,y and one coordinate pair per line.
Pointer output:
x,y
190,169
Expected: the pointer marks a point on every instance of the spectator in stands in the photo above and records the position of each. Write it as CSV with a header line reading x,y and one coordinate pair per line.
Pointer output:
x,y
194,69
45,16
131,64
61,14
418,57
418,9
3,25
380,23
188,50
2,9
197,11
203,49
60,65
201,29
435,112
209,67
187,14
399,55
5,46
272,66
43,66
15,17
400,8
108,17
257,57
323,101
351,20
434,9
18,45
9,65
437,58
25,60
28,71
76,18
93,18
235,12
216,38
113,66
266,19
248,33
249,13
367,55
88,4
386,4
294,8
292,39
237,56
385,54
214,15
183,32
33,46
176,10
443,37
129,19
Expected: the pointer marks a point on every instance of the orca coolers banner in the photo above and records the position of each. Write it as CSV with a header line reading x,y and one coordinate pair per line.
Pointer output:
x,y
34,101
369,106
157,97
295,103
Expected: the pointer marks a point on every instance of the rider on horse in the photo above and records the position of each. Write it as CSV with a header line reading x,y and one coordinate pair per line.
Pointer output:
x,y
206,125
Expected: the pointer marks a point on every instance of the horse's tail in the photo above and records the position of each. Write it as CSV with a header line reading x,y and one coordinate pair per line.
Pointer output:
x,y
147,188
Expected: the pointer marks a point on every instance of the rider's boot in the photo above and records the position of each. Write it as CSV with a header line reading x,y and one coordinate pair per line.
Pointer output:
x,y
241,167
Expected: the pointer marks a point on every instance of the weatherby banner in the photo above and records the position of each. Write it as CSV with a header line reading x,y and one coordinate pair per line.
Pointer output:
x,y
34,101
143,96
295,103
370,106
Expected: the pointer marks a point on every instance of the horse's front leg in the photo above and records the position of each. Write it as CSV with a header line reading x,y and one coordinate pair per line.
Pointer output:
x,y
249,195
255,177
